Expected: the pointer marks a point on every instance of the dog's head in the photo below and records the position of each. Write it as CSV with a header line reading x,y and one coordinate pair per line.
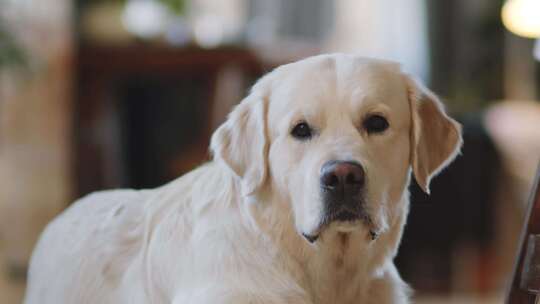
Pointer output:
x,y
337,135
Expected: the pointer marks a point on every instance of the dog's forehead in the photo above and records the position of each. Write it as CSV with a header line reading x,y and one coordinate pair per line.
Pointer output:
x,y
331,79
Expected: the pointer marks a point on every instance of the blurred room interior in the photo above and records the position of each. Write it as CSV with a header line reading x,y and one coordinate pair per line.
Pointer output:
x,y
126,93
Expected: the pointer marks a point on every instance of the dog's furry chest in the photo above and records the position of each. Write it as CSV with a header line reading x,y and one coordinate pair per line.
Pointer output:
x,y
335,271
338,285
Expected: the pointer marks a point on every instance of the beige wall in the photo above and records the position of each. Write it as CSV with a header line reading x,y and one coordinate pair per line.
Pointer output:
x,y
34,132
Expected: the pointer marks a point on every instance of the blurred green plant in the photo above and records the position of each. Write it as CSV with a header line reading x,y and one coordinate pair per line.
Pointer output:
x,y
12,55
176,6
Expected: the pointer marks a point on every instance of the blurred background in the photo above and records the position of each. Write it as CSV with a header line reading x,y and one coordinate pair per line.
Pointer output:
x,y
126,93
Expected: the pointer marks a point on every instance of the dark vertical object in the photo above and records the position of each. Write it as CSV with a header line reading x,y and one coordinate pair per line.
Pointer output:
x,y
516,294
160,118
467,44
441,43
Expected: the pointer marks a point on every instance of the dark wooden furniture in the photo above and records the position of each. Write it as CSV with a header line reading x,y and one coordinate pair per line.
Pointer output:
x,y
517,293
124,93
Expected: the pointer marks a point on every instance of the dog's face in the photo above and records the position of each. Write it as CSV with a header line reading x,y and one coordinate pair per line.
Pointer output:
x,y
337,136
339,132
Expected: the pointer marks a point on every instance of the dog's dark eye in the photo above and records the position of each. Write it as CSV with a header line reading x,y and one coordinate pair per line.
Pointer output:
x,y
375,124
302,131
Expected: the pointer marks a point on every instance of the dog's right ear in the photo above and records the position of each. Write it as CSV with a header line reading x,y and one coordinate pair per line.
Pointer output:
x,y
241,142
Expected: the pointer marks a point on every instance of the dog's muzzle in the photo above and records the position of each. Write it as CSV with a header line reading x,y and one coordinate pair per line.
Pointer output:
x,y
342,186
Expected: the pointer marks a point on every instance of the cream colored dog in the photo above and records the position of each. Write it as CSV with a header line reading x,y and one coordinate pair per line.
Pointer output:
x,y
304,201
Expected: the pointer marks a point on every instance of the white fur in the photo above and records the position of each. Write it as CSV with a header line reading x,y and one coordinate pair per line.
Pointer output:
x,y
231,230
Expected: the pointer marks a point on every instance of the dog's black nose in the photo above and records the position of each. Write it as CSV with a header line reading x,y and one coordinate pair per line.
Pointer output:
x,y
342,174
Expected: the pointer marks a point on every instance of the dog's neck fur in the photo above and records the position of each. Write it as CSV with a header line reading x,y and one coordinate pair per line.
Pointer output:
x,y
330,269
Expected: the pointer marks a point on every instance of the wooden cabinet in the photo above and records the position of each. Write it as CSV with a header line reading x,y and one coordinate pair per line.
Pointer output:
x,y
143,114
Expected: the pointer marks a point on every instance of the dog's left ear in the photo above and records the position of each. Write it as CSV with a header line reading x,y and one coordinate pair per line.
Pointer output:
x,y
241,142
435,137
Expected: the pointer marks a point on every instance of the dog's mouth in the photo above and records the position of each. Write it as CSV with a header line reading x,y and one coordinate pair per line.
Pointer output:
x,y
343,216
346,220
